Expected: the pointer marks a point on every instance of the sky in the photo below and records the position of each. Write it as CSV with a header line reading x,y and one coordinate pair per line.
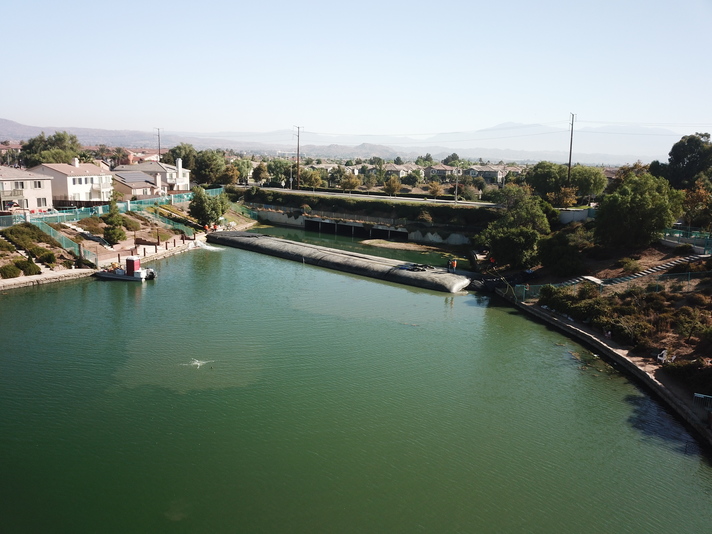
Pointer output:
x,y
395,67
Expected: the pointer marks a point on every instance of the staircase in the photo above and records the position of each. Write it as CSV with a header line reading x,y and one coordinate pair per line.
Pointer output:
x,y
24,253
646,272
88,235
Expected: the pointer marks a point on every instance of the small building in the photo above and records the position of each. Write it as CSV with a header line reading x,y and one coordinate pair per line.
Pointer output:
x,y
24,190
77,182
172,177
138,184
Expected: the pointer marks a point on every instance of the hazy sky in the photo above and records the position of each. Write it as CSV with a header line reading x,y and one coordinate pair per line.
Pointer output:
x,y
368,67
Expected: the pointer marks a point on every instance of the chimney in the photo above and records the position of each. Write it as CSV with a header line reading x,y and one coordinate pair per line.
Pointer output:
x,y
158,182
75,162
179,171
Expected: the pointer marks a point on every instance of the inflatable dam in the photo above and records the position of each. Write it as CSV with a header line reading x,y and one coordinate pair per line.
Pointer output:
x,y
435,278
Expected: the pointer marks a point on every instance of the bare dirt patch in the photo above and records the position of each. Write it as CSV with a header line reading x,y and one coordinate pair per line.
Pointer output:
x,y
398,245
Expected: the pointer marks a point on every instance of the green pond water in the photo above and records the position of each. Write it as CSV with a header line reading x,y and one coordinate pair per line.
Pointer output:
x,y
244,393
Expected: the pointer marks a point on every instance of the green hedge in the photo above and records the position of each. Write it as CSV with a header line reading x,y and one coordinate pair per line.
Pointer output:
x,y
10,271
26,235
28,267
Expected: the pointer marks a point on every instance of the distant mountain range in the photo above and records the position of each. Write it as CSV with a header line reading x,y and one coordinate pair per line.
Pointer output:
x,y
608,145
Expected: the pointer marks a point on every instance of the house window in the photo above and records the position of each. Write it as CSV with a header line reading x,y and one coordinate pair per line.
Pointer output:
x,y
19,185
74,181
37,184
24,203
41,202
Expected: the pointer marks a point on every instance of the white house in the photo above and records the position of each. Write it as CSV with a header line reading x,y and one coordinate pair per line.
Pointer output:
x,y
20,189
172,177
78,181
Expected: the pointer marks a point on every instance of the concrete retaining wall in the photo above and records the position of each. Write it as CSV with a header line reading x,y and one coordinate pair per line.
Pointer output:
x,y
682,408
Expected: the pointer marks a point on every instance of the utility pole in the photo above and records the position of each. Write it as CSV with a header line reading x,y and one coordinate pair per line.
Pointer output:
x,y
299,128
159,144
571,149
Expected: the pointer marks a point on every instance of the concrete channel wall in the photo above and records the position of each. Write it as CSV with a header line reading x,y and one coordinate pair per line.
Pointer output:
x,y
362,230
695,418
434,278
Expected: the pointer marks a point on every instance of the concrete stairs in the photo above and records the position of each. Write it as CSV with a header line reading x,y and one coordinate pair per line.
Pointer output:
x,y
646,272
24,253
89,235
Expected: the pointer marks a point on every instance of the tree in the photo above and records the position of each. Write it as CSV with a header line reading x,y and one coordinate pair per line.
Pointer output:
x,y
412,179
114,231
522,209
424,161
689,158
590,181
560,253
260,173
435,189
546,177
479,182
453,159
637,212
279,169
120,155
60,147
398,160
563,198
102,152
697,205
207,210
230,176
185,151
337,174
515,246
392,186
310,178
350,182
209,166
244,167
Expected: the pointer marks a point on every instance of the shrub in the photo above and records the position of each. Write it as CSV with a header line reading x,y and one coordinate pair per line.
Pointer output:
x,y
10,271
28,267
685,249
130,224
68,264
424,216
696,299
587,290
114,234
91,224
48,258
7,247
630,266
36,252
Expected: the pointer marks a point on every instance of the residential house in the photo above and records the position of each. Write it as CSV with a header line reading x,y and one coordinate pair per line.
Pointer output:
x,y
392,169
142,155
172,177
494,174
444,172
25,190
137,184
77,181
